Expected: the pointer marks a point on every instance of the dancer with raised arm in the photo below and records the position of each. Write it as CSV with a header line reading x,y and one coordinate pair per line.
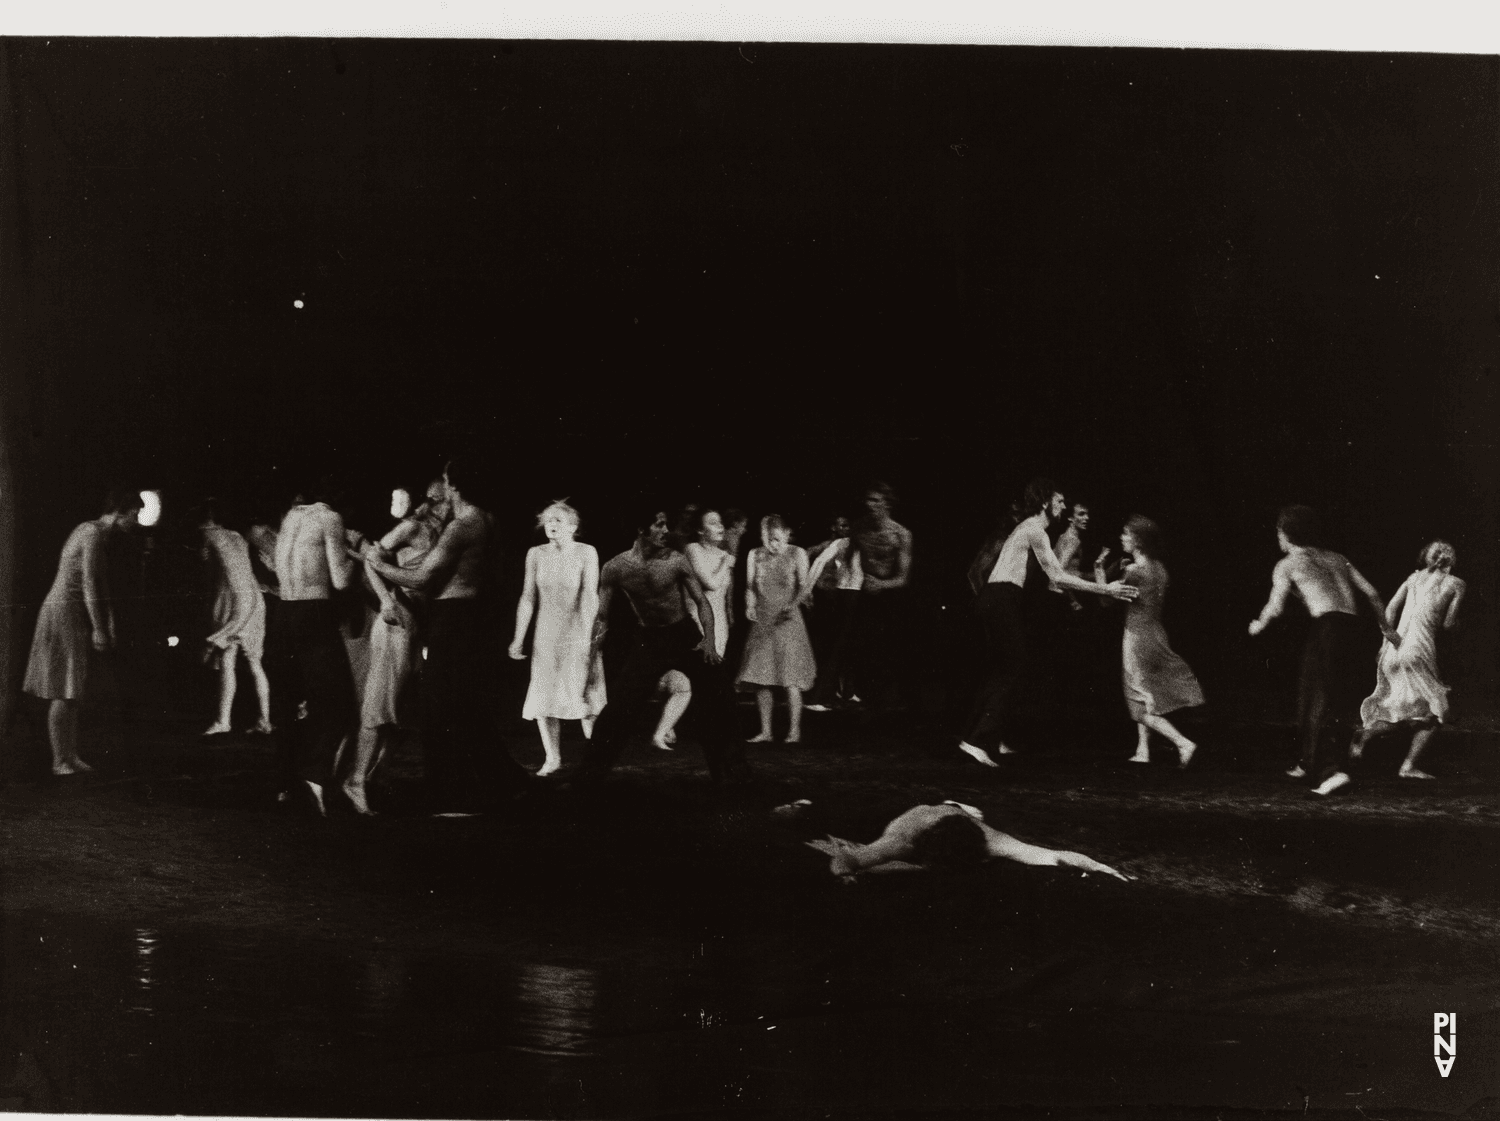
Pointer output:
x,y
1408,687
777,651
1325,581
394,640
467,764
239,615
76,623
655,579
1000,615
1157,680
834,582
562,590
308,663
950,836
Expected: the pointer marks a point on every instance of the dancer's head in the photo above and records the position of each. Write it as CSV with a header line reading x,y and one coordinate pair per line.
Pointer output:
x,y
123,505
840,527
1439,555
880,499
1298,526
1079,518
1141,535
460,478
437,503
709,528
953,844
775,534
559,521
207,513
654,529
1042,496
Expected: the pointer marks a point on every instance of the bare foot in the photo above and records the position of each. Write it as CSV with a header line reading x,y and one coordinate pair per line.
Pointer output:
x,y
793,737
217,728
660,741
264,728
1357,749
978,754
1141,757
1413,772
548,769
671,736
764,737
356,796
1296,772
71,767
1336,781
317,796
1185,755
1003,750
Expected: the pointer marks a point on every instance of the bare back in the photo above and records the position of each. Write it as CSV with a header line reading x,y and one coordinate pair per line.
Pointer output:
x,y
310,559
654,586
1321,578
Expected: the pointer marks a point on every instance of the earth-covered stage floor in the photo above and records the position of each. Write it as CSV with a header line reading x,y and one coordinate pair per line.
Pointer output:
x,y
175,942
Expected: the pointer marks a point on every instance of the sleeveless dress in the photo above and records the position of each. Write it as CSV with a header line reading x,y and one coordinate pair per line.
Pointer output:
x,y
1407,685
1157,680
561,685
716,589
777,653
393,649
58,668
239,607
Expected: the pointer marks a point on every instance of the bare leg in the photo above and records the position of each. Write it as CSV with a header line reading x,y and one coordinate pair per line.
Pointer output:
x,y
588,727
1142,744
227,658
551,734
1419,744
764,701
364,762
671,713
794,706
62,732
262,692
1185,747
1364,735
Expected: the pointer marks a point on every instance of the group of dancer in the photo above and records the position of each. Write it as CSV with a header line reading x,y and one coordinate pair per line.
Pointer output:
x,y
708,627
1409,690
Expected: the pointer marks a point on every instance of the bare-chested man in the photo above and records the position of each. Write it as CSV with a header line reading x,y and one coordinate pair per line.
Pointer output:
x,y
884,547
1069,550
999,609
654,579
467,765
1325,581
308,662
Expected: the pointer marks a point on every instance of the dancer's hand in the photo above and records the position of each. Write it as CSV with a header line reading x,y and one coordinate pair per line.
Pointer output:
x,y
1087,864
515,650
1119,590
1393,637
1256,626
710,655
1103,555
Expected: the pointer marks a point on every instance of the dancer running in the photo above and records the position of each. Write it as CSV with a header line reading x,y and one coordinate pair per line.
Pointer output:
x,y
655,580
467,764
951,836
76,623
394,640
562,590
1325,581
239,615
1408,688
1157,680
999,609
835,580
777,651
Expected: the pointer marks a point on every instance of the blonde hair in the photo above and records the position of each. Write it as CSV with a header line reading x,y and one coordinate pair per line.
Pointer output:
x,y
561,508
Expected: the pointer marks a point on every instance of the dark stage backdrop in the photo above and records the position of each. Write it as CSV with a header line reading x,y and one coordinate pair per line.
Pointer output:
x,y
1192,284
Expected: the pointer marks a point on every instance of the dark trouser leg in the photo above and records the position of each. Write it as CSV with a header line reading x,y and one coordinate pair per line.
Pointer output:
x,y
714,717
835,615
630,692
1005,654
331,710
1322,660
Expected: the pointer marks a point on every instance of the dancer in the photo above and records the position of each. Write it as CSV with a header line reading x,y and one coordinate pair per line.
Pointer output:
x,y
309,664
1157,680
713,564
1069,550
952,836
467,765
655,580
394,640
834,581
562,590
678,691
777,651
1408,689
884,546
240,615
736,522
76,622
999,609
1325,581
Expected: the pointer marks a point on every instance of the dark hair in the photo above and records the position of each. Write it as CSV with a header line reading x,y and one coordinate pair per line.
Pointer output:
x,y
1301,525
122,500
954,844
1039,492
330,489
1147,535
689,522
650,514
735,516
884,490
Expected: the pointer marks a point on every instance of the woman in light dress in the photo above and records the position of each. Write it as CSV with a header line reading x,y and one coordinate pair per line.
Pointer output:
x,y
777,650
1408,688
1157,681
239,615
562,592
77,620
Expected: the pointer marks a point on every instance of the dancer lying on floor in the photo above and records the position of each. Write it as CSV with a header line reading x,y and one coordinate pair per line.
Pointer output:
x,y
951,836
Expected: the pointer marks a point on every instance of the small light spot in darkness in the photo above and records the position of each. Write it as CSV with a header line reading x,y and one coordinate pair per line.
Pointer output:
x,y
297,304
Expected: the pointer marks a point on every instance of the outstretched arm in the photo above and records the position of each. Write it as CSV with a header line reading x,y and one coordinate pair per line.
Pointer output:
x,y
1281,587
525,606
826,555
1041,548
1368,590
1006,847
443,556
